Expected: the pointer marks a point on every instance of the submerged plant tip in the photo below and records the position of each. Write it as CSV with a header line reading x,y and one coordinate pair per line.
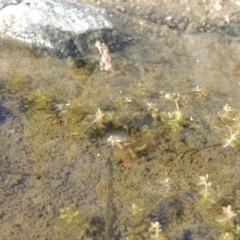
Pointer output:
x,y
227,114
167,182
118,141
155,229
115,141
69,215
61,108
204,180
176,98
100,118
228,230
232,139
153,109
175,115
173,97
74,222
136,209
199,92
227,108
152,106
206,191
105,63
229,214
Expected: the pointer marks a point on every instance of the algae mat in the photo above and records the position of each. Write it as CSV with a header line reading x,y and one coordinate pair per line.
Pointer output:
x,y
149,150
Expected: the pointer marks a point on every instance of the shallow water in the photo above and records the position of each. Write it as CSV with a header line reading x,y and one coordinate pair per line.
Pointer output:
x,y
62,178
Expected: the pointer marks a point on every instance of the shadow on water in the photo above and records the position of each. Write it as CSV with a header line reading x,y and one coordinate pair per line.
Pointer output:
x,y
149,150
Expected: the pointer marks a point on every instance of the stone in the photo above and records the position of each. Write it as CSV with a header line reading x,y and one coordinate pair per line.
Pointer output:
x,y
58,27
4,3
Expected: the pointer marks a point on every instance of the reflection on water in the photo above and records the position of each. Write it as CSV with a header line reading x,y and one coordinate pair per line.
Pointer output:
x,y
120,153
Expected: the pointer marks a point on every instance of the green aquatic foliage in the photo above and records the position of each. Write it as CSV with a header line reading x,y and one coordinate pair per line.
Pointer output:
x,y
232,139
153,109
199,93
227,115
134,233
156,231
224,225
136,210
17,83
71,111
73,221
179,100
37,101
100,119
206,192
140,89
227,123
175,120
227,217
73,116
142,225
70,216
164,190
226,228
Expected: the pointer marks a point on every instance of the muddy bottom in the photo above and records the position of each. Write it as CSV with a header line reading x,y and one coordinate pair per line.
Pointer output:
x,y
149,150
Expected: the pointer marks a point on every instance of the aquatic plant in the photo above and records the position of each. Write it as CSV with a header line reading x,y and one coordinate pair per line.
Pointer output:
x,y
73,222
176,120
163,190
156,231
199,92
142,214
227,115
37,101
153,109
225,227
100,119
232,139
134,233
227,217
70,216
141,140
206,193
118,141
136,209
61,108
17,83
105,63
176,98
72,115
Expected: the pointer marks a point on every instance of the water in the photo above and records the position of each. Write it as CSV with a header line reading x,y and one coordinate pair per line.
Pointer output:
x,y
64,177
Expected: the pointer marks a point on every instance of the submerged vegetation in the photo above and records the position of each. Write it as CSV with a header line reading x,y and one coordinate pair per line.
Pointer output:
x,y
146,220
129,129
73,221
132,129
130,141
224,225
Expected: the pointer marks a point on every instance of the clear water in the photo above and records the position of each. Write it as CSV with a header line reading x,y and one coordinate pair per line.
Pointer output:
x,y
68,174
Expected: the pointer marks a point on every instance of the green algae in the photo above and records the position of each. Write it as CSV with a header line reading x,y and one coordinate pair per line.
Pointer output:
x,y
116,185
18,82
73,222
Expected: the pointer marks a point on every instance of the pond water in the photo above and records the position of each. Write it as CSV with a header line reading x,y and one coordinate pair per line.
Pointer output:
x,y
149,150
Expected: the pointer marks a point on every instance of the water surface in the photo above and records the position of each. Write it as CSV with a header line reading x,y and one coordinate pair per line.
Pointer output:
x,y
68,175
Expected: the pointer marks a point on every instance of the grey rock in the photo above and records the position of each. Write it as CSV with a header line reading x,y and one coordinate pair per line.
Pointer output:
x,y
57,27
4,3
